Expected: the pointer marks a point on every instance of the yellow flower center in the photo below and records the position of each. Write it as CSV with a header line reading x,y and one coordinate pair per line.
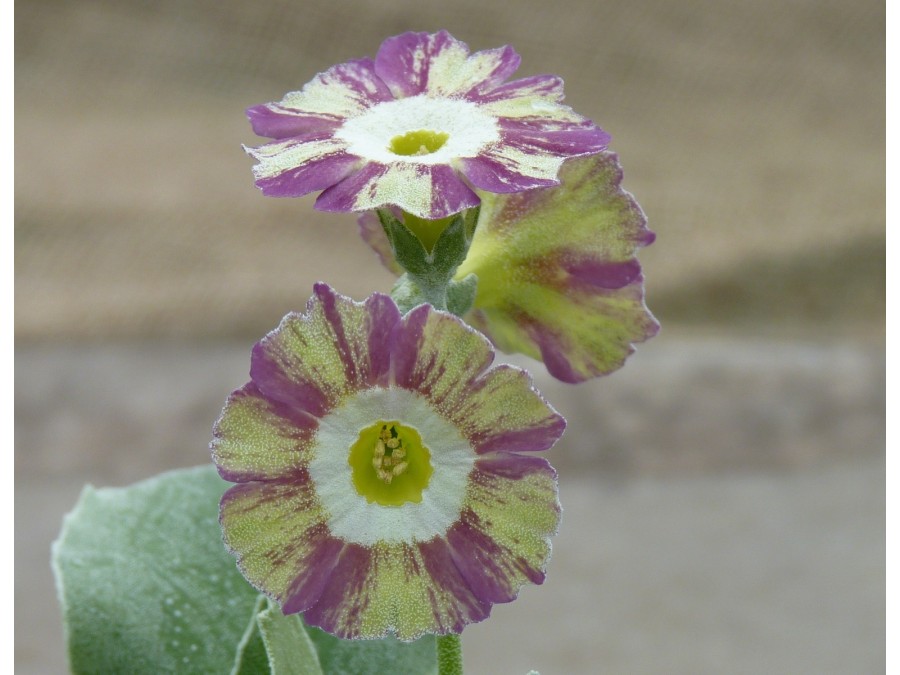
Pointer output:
x,y
417,143
391,465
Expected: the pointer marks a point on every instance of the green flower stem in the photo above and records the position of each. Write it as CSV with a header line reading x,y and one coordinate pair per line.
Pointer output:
x,y
431,252
449,655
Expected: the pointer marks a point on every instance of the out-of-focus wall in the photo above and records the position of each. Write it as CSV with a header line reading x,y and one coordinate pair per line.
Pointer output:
x,y
751,132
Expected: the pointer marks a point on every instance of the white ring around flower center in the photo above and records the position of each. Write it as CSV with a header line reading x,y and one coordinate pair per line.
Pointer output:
x,y
350,516
469,129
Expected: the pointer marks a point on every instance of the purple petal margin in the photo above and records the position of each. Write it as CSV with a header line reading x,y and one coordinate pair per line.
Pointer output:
x,y
537,435
314,575
314,175
360,78
416,350
479,559
338,607
269,376
543,86
507,62
365,366
563,139
273,121
469,606
313,566
357,78
371,368
491,174
449,194
297,424
493,572
404,61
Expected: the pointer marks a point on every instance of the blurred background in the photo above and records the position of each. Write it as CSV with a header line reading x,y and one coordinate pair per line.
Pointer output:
x,y
723,493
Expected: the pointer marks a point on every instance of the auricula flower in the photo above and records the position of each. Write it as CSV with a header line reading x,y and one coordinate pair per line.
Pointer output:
x,y
387,481
558,277
418,127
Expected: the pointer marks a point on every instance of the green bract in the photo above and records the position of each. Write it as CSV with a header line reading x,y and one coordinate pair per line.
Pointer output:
x,y
146,587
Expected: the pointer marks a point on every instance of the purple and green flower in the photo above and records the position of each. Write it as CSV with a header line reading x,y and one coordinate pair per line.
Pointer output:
x,y
558,276
422,127
386,475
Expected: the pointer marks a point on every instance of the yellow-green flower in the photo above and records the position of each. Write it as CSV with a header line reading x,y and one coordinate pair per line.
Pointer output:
x,y
558,277
386,475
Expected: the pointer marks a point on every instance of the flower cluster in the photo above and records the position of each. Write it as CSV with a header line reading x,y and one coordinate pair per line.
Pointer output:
x,y
558,277
387,478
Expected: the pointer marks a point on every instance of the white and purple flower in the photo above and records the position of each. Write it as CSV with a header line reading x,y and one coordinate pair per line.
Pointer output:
x,y
418,128
388,479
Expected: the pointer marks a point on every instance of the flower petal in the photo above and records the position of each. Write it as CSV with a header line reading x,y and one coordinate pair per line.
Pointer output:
x,y
564,139
504,412
531,153
501,540
312,361
300,165
532,107
272,120
257,438
416,63
428,191
277,532
481,73
557,277
437,355
404,589
330,97
536,87
507,169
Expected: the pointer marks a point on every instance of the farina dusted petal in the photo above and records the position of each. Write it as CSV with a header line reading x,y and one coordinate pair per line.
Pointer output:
x,y
416,127
380,487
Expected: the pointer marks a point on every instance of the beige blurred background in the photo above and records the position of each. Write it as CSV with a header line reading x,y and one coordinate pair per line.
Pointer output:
x,y
724,493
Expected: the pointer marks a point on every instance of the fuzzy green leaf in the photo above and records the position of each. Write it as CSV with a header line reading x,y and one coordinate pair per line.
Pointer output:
x,y
374,657
145,583
147,586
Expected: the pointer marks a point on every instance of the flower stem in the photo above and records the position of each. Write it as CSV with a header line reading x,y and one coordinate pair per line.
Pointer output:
x,y
449,655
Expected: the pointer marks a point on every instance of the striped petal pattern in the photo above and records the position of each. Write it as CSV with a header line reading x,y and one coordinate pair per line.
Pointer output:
x,y
302,531
558,277
347,132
